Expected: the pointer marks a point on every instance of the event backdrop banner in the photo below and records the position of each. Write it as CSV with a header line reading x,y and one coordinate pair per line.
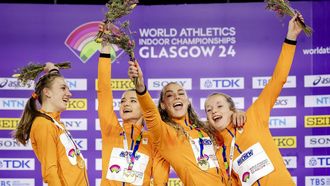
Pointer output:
x,y
232,48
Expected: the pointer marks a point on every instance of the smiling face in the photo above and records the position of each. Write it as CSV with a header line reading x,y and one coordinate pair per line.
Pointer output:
x,y
219,111
130,109
174,101
57,95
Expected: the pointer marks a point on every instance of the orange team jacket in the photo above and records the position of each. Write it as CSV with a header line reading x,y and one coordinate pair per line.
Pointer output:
x,y
55,165
111,131
256,129
177,149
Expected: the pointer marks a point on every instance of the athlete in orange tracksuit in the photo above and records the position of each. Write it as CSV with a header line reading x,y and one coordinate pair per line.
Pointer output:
x,y
53,156
256,158
115,136
62,163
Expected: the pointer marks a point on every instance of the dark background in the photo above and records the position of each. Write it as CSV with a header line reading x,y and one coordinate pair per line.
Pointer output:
x,y
142,2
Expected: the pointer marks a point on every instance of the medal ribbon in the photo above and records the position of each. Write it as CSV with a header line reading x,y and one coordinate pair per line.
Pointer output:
x,y
67,133
131,160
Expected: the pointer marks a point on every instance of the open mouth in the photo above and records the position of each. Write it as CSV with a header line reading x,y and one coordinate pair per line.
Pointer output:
x,y
178,105
127,111
65,100
216,118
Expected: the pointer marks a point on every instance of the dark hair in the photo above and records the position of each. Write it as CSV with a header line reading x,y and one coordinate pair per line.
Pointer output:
x,y
192,117
30,112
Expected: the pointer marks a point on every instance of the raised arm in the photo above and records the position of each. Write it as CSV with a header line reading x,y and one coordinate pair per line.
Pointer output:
x,y
272,90
106,112
149,109
45,137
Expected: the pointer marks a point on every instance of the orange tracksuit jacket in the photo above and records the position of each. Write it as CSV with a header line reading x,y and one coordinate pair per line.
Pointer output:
x,y
55,166
157,167
177,149
256,129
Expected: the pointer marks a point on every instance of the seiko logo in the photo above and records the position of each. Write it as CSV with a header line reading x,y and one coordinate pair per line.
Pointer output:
x,y
317,121
77,104
317,80
14,84
317,101
221,83
317,161
317,141
285,141
16,164
8,123
158,84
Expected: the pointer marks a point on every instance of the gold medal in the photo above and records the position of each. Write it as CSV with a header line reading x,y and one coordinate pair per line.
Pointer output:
x,y
129,176
80,162
203,164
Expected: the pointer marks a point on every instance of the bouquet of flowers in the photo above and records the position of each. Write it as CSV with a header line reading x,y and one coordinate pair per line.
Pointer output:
x,y
282,7
120,36
31,71
116,10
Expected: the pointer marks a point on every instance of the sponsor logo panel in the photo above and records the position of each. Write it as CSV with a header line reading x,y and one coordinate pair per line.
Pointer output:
x,y
98,164
283,102
317,161
290,162
76,84
11,144
317,80
317,180
77,104
285,141
98,144
283,122
17,182
260,82
317,101
16,164
8,123
12,103
222,83
158,84
317,141
14,84
75,123
119,84
317,121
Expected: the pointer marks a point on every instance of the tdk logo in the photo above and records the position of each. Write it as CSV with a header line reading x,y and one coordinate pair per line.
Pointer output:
x,y
77,84
317,180
221,83
14,84
317,161
317,80
276,122
16,164
12,103
261,82
317,141
317,101
158,84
